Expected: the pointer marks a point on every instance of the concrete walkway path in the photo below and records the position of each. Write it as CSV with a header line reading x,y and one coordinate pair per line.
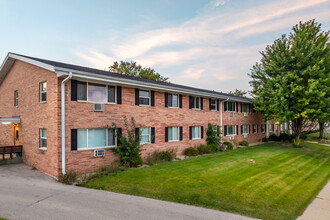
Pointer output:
x,y
319,209
29,194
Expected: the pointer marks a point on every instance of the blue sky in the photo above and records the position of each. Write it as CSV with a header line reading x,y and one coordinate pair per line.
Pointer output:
x,y
207,44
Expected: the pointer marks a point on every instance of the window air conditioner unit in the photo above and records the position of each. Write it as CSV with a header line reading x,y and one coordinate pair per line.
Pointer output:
x,y
246,135
231,138
245,114
99,153
98,107
231,114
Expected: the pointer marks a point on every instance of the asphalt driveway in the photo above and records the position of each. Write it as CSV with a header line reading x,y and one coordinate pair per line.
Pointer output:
x,y
30,194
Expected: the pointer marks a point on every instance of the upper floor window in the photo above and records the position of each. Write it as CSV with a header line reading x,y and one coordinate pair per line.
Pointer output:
x,y
43,92
245,107
95,138
195,103
93,92
16,98
144,97
172,100
213,104
230,106
43,137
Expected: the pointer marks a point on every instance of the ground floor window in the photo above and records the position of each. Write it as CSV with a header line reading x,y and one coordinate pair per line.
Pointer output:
x,y
230,130
263,128
255,129
271,128
43,137
195,132
145,135
173,133
95,138
245,129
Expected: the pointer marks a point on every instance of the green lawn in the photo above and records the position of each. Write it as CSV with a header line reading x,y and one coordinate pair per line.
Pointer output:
x,y
280,185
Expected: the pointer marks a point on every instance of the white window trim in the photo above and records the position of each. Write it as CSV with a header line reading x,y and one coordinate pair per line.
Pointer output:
x,y
263,130
247,108
256,126
16,98
149,135
199,132
235,106
41,92
106,140
173,134
270,128
247,129
107,93
42,138
199,98
215,105
178,102
235,132
149,91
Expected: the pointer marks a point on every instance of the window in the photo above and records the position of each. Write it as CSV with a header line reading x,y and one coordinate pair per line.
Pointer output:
x,y
95,138
231,106
43,137
245,107
196,132
43,92
196,103
16,98
271,128
231,130
173,133
144,97
213,104
96,92
263,128
145,135
255,129
245,129
173,100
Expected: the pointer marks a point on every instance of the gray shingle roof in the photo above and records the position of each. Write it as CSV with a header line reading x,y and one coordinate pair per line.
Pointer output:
x,y
121,76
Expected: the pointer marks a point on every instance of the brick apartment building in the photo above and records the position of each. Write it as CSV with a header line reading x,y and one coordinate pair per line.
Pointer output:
x,y
60,112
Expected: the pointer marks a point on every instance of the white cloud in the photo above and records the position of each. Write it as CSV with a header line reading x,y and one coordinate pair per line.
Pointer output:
x,y
206,47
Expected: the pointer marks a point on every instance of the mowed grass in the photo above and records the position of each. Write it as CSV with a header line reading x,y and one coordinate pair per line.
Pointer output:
x,y
280,185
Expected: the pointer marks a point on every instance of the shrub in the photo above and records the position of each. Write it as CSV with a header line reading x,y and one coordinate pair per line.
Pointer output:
x,y
285,137
69,178
204,149
303,136
265,139
129,149
229,145
296,144
191,151
244,143
273,137
158,157
214,147
213,134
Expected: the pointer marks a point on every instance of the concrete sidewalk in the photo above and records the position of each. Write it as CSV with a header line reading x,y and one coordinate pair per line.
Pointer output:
x,y
30,194
319,209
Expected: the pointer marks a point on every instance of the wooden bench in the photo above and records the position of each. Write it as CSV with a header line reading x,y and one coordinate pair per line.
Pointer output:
x,y
11,150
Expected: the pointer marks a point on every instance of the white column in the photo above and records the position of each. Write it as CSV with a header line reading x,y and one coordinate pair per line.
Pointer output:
x,y
221,120
267,129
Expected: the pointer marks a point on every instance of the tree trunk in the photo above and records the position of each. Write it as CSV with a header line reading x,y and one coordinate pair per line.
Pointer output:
x,y
321,127
297,127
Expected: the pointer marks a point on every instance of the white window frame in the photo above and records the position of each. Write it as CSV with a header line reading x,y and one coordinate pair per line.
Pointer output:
x,y
171,128
107,93
256,129
16,98
215,105
234,106
172,101
42,138
247,108
106,139
194,102
263,128
270,128
42,92
145,97
234,130
193,132
246,127
149,135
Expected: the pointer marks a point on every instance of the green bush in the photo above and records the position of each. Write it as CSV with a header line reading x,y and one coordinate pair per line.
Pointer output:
x,y
229,145
296,144
165,156
274,137
159,156
129,149
244,143
213,134
303,136
191,151
285,137
69,178
214,147
204,149
265,139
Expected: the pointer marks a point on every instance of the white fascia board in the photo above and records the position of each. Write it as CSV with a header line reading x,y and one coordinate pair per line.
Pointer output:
x,y
33,62
10,120
134,83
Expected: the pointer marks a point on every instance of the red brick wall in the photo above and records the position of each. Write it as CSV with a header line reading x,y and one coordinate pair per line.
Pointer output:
x,y
25,78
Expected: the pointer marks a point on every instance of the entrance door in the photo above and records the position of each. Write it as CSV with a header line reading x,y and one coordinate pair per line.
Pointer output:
x,y
16,135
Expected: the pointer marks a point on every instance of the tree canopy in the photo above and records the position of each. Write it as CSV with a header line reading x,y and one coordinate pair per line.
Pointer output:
x,y
133,69
292,80
238,92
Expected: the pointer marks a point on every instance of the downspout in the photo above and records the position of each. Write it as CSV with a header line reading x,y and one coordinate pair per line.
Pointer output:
x,y
63,119
221,118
